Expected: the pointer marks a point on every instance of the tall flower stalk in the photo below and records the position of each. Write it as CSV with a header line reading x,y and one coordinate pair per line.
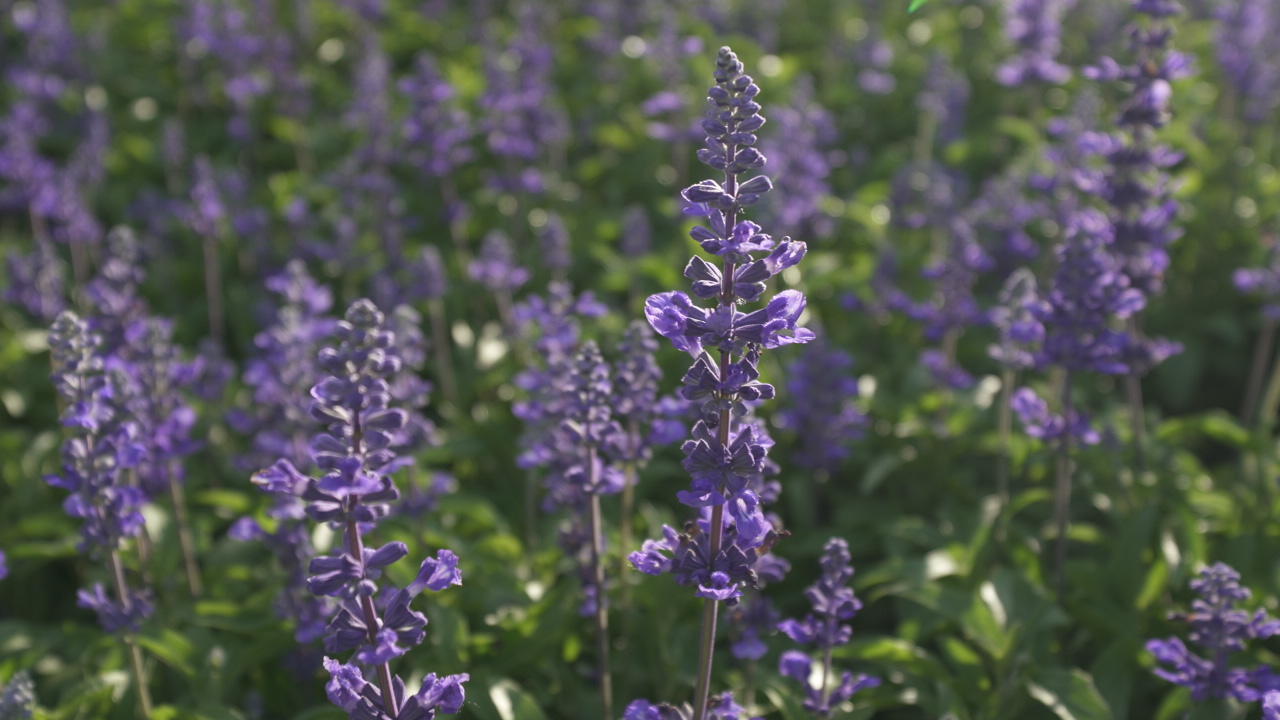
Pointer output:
x,y
1137,186
101,446
356,456
1220,630
588,432
717,553
833,604
637,375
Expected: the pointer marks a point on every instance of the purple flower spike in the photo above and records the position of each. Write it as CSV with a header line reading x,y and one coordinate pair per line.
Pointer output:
x,y
355,457
104,442
725,552
833,603
1035,28
1220,630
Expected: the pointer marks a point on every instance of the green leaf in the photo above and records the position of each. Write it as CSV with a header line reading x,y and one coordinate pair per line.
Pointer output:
x,y
916,5
1069,694
513,703
172,649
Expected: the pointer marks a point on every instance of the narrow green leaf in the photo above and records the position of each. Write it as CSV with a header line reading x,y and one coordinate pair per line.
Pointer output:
x,y
916,5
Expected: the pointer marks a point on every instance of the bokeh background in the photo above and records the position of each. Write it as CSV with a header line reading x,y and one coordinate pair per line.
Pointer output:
x,y
247,133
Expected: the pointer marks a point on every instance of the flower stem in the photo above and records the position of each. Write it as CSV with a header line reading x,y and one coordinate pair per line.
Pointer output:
x,y
355,545
628,507
706,642
1137,416
602,604
135,652
444,358
1257,371
1005,429
213,288
1062,490
185,537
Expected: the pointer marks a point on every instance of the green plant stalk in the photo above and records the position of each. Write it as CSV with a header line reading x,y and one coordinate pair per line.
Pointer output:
x,y
602,604
1062,492
135,652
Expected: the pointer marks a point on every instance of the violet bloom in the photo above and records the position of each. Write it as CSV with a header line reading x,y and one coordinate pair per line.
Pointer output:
x,y
1263,282
800,163
1035,29
355,455
550,324
1248,43
636,376
719,707
873,56
724,457
279,422
102,445
821,390
1220,630
637,233
37,281
1143,213
557,248
283,369
4,565
522,120
1271,705
1017,321
436,128
496,267
150,376
18,697
1088,291
833,604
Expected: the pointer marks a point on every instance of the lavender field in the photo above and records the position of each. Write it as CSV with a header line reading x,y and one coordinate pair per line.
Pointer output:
x,y
592,359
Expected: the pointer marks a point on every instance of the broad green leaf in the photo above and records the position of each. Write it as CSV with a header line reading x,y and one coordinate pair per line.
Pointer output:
x,y
1069,694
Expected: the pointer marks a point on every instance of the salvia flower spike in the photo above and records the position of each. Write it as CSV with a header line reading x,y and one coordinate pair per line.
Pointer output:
x,y
834,604
716,553
101,445
1220,630
355,456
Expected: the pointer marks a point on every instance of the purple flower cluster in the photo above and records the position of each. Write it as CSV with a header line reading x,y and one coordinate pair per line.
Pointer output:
x,y
1136,184
720,707
436,127
1263,282
1035,28
1271,705
833,604
55,193
356,456
103,444
1017,320
800,163
725,456
1220,630
1248,42
723,460
280,425
550,325
1088,292
821,390
522,120
636,377
496,267
18,697
151,376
